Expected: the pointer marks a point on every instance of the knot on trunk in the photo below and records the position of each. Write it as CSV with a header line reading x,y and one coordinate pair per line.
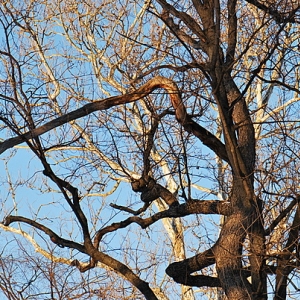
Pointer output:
x,y
151,190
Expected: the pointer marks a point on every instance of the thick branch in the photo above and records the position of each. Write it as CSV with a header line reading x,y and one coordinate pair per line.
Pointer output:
x,y
185,209
180,34
53,236
124,270
181,271
292,240
153,190
62,184
189,22
232,32
155,83
96,255
207,138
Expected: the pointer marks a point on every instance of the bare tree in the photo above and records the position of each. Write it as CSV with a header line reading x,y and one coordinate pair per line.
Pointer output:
x,y
154,131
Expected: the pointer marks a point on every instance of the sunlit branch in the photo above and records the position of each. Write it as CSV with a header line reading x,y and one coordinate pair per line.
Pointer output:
x,y
190,23
37,247
278,109
158,82
52,235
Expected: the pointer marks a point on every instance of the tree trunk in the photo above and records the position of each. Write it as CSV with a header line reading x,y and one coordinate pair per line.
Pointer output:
x,y
228,254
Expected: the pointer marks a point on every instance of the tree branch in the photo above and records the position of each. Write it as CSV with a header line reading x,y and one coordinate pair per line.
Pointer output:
x,y
278,16
207,138
158,82
129,210
180,271
185,209
96,256
279,83
282,215
124,271
75,205
189,22
232,32
284,268
53,236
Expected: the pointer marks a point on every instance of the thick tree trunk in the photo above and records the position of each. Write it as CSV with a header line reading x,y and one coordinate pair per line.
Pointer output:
x,y
240,146
228,253
228,250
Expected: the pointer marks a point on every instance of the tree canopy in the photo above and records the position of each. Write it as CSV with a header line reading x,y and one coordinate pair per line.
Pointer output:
x,y
149,149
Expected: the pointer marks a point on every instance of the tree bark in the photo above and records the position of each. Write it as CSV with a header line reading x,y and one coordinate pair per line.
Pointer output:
x,y
228,251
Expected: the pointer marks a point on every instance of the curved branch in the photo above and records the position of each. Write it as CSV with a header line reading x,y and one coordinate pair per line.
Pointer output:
x,y
181,271
158,82
96,256
37,248
52,235
75,206
119,267
207,138
129,210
